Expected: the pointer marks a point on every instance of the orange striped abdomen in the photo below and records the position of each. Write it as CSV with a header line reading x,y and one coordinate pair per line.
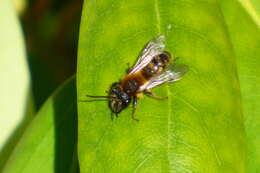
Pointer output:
x,y
131,83
156,66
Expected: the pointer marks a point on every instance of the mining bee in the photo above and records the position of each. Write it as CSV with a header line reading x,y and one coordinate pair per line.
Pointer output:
x,y
153,67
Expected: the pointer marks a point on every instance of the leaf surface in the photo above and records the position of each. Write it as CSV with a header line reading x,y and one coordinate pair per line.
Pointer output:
x,y
245,37
198,129
49,143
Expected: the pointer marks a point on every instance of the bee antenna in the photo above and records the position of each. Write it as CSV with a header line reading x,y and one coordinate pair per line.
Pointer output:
x,y
99,96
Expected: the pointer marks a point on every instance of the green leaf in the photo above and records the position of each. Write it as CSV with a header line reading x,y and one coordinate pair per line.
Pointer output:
x,y
245,37
198,129
49,143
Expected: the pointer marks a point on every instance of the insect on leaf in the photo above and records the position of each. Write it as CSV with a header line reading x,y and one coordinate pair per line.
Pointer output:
x,y
198,129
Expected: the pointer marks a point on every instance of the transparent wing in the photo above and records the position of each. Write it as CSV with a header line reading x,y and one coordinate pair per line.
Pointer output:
x,y
173,74
153,48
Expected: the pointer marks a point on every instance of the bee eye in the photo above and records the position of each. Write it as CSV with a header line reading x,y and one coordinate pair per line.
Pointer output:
x,y
116,105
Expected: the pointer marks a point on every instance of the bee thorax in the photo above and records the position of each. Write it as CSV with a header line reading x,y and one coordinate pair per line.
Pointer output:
x,y
131,86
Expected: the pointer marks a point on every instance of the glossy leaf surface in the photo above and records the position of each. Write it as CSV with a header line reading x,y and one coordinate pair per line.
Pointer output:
x,y
245,37
198,129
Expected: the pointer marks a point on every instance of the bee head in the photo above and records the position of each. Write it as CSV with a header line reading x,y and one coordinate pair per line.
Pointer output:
x,y
118,98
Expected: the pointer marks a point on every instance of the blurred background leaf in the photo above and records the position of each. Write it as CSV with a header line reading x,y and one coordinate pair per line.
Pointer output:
x,y
50,31
49,144
243,22
199,129
16,105
20,5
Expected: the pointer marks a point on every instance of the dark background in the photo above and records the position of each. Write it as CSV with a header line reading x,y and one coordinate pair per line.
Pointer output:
x,y
51,29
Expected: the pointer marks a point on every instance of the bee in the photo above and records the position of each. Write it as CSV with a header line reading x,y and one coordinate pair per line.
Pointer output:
x,y
153,67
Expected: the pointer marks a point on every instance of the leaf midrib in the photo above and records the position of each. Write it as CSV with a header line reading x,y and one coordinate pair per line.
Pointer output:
x,y
169,112
158,23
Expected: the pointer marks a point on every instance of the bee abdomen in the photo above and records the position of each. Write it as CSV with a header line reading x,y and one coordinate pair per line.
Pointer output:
x,y
157,65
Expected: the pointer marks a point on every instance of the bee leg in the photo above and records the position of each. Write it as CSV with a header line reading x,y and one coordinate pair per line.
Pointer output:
x,y
150,94
112,116
134,108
